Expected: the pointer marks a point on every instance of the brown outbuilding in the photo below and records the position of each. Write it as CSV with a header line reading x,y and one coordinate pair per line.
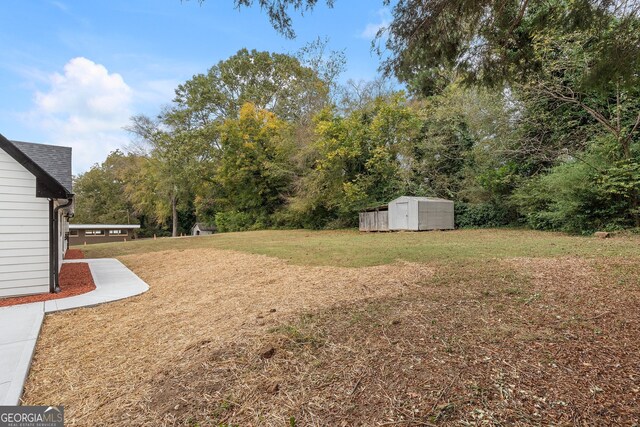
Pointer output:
x,y
86,234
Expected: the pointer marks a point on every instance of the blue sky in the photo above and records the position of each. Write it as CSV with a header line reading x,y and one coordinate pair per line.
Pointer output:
x,y
72,72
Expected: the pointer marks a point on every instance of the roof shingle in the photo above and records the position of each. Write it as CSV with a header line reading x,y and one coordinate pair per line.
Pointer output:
x,y
55,160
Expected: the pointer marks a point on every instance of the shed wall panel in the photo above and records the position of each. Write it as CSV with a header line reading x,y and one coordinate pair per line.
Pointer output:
x,y
436,215
383,221
374,221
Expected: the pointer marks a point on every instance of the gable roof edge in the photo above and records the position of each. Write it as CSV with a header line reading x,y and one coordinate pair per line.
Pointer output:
x,y
46,185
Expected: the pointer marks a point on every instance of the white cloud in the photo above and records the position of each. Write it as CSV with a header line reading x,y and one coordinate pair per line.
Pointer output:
x,y
85,107
371,30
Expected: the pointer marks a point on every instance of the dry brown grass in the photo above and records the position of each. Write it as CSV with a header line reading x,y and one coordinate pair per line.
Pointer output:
x,y
512,342
519,341
101,362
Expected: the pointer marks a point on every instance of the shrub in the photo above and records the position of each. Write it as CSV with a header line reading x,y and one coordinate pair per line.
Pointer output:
x,y
582,195
234,221
487,214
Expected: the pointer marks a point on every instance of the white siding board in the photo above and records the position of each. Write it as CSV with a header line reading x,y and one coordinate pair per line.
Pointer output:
x,y
19,260
25,289
24,232
16,221
20,198
16,213
25,229
19,268
25,252
22,238
12,190
18,182
5,158
36,205
12,166
17,174
32,244
23,275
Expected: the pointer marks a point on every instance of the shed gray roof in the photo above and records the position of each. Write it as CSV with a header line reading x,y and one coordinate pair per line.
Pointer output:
x,y
55,160
422,199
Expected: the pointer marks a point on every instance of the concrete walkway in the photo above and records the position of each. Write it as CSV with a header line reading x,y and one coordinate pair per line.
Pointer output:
x,y
20,324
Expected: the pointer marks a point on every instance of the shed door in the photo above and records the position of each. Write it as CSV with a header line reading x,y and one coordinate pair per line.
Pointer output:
x,y
403,215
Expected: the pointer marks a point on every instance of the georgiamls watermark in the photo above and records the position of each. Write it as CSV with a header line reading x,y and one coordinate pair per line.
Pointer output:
x,y
31,416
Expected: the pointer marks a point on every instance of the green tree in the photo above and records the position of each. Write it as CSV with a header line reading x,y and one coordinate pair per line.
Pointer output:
x,y
100,192
278,11
172,168
271,81
254,173
358,162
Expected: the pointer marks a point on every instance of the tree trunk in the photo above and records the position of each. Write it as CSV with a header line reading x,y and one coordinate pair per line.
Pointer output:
x,y
174,216
625,145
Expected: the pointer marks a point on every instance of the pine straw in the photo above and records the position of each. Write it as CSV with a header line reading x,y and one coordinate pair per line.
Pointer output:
x,y
514,342
101,362
493,342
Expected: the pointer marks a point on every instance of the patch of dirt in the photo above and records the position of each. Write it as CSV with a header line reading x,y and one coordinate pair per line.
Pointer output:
x,y
75,279
74,254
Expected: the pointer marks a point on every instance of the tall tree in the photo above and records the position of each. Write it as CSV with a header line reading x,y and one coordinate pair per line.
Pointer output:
x,y
173,167
254,172
271,81
100,192
278,11
359,161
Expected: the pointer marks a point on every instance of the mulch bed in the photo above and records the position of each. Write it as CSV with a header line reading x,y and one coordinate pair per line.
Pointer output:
x,y
74,254
75,279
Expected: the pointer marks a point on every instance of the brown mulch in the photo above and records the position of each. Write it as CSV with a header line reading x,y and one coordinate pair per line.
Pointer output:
x,y
225,338
74,254
75,279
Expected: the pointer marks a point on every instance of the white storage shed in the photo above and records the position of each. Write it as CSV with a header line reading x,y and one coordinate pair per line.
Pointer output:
x,y
421,213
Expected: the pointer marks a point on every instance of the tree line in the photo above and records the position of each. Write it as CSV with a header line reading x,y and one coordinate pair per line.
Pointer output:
x,y
523,113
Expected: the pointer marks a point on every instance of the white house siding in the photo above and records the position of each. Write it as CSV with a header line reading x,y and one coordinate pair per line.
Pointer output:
x,y
24,232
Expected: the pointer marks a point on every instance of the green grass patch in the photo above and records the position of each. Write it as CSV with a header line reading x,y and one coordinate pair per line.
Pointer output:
x,y
353,249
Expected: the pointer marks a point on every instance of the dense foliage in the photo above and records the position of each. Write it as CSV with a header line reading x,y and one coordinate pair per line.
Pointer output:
x,y
523,113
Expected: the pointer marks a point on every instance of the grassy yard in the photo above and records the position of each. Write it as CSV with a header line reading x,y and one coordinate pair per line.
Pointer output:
x,y
353,249
277,328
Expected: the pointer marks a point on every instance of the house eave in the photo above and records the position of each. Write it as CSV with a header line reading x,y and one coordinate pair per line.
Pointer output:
x,y
46,185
